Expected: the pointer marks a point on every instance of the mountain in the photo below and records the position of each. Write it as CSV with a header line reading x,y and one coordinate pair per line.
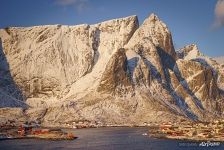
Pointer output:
x,y
111,73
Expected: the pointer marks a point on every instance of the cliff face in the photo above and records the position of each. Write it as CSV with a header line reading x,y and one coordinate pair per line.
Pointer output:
x,y
189,52
114,72
115,78
209,78
45,60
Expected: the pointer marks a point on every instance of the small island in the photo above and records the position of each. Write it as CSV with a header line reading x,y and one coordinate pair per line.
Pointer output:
x,y
27,131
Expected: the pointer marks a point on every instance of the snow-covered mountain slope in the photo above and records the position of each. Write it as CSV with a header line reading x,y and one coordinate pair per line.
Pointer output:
x,y
114,72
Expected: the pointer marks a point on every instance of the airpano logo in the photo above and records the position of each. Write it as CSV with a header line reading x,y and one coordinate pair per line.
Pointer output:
x,y
209,144
202,144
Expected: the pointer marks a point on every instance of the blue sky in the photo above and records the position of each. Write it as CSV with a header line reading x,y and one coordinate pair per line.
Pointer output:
x,y
190,21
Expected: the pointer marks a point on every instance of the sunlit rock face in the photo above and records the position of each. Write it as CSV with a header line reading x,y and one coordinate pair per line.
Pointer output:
x,y
206,73
189,52
114,72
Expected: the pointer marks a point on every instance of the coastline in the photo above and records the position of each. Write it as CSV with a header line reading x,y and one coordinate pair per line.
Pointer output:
x,y
153,132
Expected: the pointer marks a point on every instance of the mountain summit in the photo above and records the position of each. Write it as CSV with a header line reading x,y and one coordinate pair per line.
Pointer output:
x,y
114,73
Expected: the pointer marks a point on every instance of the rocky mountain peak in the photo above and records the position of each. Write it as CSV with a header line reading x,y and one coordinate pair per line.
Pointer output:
x,y
189,52
159,33
153,17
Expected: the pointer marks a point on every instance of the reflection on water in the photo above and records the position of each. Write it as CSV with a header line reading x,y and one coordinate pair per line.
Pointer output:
x,y
105,138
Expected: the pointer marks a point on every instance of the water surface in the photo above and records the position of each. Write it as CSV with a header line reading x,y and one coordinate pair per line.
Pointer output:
x,y
119,138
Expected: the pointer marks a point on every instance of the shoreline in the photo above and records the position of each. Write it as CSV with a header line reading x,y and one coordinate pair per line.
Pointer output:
x,y
186,130
152,135
29,132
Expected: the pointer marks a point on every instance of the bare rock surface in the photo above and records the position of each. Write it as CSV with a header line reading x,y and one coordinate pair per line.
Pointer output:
x,y
220,59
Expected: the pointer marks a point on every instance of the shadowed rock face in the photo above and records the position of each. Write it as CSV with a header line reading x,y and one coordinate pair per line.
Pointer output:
x,y
114,72
10,94
115,79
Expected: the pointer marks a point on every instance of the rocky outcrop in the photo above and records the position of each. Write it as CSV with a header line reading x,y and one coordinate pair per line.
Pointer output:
x,y
12,116
200,82
141,48
158,33
115,72
10,94
153,43
115,79
189,52
205,78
